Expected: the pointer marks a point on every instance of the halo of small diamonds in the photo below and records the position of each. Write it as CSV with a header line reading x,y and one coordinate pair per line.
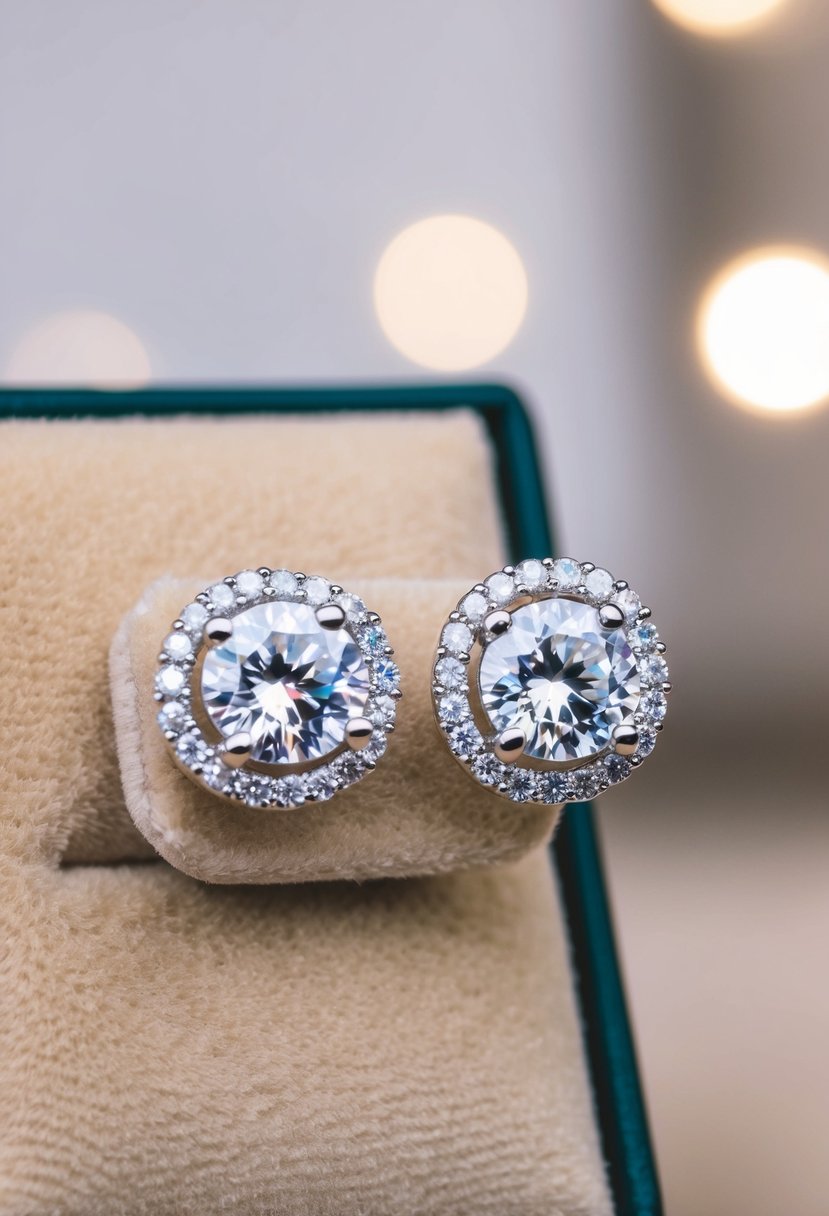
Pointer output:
x,y
589,655
368,688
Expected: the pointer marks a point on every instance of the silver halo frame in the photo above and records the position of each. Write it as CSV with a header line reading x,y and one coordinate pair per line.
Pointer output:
x,y
269,786
459,711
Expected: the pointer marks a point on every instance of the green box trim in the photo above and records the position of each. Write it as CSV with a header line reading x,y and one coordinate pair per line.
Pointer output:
x,y
608,1041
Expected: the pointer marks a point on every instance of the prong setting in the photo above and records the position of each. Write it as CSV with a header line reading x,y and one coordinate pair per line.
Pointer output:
x,y
330,616
236,750
611,615
625,739
358,733
509,745
218,629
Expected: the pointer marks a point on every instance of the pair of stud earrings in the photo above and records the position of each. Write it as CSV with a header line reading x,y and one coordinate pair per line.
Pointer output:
x,y
277,688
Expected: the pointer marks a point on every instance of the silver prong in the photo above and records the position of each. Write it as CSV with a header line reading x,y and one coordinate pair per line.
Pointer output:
x,y
358,732
587,567
236,749
667,686
336,589
621,584
510,745
660,648
611,616
218,629
625,739
265,572
497,622
330,616
373,619
644,614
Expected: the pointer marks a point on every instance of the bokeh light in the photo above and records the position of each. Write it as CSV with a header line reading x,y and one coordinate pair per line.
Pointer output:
x,y
763,329
719,18
80,347
450,292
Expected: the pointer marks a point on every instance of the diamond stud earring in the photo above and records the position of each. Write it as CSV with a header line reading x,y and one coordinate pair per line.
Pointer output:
x,y
549,682
278,688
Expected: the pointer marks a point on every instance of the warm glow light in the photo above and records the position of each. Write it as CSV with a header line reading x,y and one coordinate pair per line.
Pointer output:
x,y
763,329
450,292
80,347
718,17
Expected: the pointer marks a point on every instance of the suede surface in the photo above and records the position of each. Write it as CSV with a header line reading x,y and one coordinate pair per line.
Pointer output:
x,y
418,813
173,1047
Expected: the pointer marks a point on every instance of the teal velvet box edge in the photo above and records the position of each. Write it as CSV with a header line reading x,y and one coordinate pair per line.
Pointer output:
x,y
575,852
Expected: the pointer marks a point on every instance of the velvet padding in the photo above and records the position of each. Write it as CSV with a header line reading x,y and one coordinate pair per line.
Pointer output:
x,y
170,1047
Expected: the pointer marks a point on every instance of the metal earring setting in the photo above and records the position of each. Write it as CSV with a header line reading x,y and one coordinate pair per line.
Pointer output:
x,y
549,682
278,688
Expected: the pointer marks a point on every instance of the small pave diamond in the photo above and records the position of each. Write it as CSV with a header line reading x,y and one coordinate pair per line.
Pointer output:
x,y
317,590
653,669
192,749
178,645
617,768
587,784
249,584
453,708
374,638
489,770
522,785
599,584
284,583
647,742
456,637
388,676
474,606
450,672
654,705
172,716
644,636
531,574
566,573
194,617
170,681
465,739
555,788
289,791
384,710
222,596
501,588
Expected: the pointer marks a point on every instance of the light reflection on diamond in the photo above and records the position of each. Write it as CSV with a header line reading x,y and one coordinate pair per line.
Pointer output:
x,y
561,678
287,681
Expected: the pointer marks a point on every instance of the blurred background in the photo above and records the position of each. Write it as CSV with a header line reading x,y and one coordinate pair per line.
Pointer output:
x,y
619,206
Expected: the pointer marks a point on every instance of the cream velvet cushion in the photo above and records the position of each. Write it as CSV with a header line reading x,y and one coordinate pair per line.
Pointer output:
x,y
168,1046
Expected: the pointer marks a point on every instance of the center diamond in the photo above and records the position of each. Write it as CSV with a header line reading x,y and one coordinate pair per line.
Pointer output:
x,y
285,680
561,678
